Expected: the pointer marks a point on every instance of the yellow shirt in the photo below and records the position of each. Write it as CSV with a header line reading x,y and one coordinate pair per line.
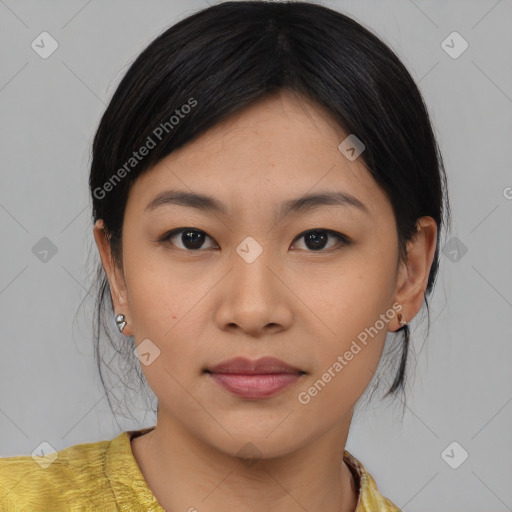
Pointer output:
x,y
104,476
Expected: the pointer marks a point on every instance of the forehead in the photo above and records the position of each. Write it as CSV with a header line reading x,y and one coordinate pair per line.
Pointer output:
x,y
281,147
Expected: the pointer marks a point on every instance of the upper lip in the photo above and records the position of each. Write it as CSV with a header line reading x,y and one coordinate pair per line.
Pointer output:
x,y
264,365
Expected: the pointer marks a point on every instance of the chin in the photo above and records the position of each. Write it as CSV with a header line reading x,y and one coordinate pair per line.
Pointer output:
x,y
253,444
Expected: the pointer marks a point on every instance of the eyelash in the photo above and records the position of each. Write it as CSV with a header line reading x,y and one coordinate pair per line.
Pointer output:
x,y
342,239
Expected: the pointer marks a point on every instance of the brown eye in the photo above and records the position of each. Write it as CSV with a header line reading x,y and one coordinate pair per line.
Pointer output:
x,y
318,239
189,238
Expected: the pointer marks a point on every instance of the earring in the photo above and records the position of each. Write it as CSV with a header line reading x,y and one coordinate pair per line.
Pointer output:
x,y
400,321
120,322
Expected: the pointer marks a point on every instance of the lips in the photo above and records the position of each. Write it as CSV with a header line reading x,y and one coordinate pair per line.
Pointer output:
x,y
255,379
264,365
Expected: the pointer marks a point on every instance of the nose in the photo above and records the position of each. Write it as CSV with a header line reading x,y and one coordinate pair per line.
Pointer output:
x,y
254,297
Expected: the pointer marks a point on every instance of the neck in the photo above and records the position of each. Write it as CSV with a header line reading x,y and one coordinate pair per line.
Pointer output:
x,y
186,473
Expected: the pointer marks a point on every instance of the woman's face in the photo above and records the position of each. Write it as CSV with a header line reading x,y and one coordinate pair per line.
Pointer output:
x,y
250,278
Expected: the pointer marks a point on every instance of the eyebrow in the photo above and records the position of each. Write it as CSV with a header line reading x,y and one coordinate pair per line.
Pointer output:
x,y
206,203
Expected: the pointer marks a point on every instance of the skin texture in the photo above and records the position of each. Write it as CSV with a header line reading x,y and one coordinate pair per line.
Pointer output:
x,y
301,305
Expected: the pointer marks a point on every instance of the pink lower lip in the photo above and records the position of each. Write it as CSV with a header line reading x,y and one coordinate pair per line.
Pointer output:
x,y
255,386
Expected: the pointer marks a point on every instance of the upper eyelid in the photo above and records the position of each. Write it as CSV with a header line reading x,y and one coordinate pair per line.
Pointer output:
x,y
173,232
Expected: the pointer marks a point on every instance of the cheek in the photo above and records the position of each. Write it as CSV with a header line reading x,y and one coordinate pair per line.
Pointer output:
x,y
355,309
333,392
164,306
160,293
345,364
352,294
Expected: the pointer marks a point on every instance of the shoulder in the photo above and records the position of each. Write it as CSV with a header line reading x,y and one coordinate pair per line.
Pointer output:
x,y
56,481
370,498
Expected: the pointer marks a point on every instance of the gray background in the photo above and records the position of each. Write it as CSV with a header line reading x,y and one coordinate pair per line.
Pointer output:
x,y
461,388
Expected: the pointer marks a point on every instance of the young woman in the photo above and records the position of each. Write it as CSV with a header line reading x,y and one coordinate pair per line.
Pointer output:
x,y
268,198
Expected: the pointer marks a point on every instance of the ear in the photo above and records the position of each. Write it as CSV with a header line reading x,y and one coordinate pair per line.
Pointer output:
x,y
115,276
413,273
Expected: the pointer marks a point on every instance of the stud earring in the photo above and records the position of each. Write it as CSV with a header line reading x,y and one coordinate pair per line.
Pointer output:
x,y
400,321
120,322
